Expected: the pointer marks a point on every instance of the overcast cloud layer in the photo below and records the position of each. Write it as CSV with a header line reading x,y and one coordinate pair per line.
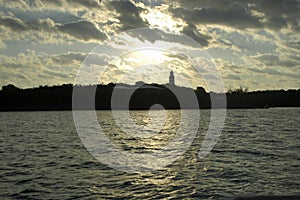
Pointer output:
x,y
255,44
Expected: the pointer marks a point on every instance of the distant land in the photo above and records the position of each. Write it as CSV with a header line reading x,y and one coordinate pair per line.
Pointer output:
x,y
46,98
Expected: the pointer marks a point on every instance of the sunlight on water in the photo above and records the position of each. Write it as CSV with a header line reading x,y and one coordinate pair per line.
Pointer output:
x,y
42,157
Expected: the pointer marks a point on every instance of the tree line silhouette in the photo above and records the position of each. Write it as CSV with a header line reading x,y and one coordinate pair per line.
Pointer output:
x,y
13,98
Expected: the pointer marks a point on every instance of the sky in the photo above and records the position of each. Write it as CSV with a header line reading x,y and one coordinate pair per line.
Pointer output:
x,y
253,44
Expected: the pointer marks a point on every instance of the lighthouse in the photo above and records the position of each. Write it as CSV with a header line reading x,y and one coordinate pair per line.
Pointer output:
x,y
171,78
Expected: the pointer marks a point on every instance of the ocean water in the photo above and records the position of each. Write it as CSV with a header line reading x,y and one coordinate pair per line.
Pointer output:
x,y
42,157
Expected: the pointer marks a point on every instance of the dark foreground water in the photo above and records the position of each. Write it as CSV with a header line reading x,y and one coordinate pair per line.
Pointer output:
x,y
42,157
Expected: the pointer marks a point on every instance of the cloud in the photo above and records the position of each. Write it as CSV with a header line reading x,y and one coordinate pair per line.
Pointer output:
x,y
279,14
56,74
68,58
128,14
85,3
240,14
13,24
151,3
159,38
192,32
83,30
232,76
2,44
238,18
276,72
44,4
253,42
38,68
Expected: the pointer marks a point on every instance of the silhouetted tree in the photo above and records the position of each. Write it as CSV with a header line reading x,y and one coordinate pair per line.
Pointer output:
x,y
240,90
60,97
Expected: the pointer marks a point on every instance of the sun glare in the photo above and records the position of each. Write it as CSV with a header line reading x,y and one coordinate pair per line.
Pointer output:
x,y
158,19
146,56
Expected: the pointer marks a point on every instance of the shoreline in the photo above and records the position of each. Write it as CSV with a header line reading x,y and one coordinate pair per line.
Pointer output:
x,y
58,110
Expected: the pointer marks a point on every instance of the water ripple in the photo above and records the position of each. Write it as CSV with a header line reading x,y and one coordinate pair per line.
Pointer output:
x,y
42,157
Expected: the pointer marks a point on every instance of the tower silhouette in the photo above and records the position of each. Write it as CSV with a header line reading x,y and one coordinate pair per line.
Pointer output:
x,y
171,78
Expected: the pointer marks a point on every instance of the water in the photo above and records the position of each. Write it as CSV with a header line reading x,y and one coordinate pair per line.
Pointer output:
x,y
42,157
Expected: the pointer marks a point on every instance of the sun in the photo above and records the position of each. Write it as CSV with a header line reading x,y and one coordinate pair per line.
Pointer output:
x,y
149,56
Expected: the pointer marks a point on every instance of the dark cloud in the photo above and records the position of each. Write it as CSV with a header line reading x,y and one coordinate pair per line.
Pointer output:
x,y
240,14
98,58
18,25
56,74
192,32
154,34
114,69
85,3
268,59
179,56
55,2
274,60
129,14
151,2
239,18
278,7
68,58
294,44
34,4
280,13
272,14
13,65
13,24
217,4
273,71
83,30
41,25
61,17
